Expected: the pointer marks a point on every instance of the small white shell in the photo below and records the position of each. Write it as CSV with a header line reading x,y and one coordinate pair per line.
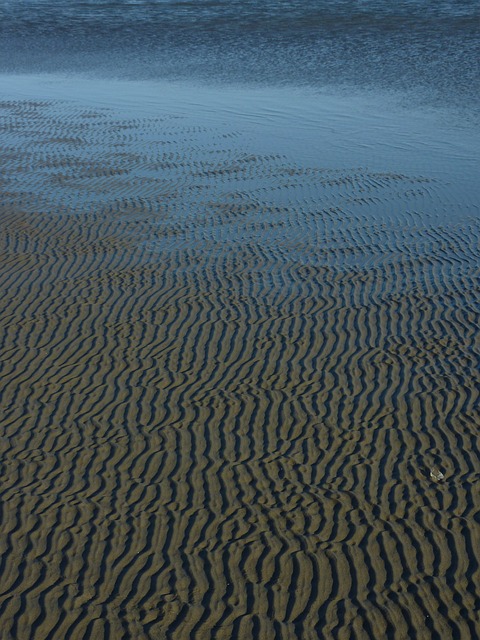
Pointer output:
x,y
436,474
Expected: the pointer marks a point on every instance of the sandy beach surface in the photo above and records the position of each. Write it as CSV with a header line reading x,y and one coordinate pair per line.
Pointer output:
x,y
239,348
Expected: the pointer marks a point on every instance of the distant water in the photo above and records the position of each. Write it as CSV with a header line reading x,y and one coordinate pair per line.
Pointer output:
x,y
431,48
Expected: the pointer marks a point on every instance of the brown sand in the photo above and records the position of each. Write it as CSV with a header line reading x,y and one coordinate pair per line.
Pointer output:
x,y
229,388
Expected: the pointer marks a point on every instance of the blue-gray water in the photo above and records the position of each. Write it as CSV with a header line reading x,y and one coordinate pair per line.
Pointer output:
x,y
429,48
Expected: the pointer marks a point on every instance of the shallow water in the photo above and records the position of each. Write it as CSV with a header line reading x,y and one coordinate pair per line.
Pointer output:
x,y
307,126
319,126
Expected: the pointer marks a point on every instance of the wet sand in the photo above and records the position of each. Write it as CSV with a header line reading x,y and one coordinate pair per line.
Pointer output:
x,y
239,394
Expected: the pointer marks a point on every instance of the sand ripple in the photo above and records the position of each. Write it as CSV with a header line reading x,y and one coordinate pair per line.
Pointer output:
x,y
226,380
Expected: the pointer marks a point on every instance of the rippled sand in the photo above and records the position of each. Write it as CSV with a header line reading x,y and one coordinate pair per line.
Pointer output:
x,y
239,396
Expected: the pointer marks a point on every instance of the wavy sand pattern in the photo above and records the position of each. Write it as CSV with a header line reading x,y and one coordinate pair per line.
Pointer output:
x,y
226,381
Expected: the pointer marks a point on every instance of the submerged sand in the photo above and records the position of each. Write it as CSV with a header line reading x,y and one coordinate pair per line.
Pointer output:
x,y
239,397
